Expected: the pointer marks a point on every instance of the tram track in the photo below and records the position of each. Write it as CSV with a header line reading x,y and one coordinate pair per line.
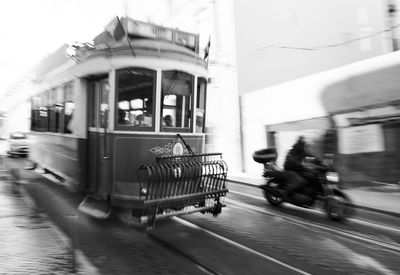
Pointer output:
x,y
345,233
240,246
225,240
260,254
204,268
319,212
228,242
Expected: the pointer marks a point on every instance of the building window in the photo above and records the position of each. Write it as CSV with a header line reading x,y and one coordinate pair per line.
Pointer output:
x,y
200,104
135,94
176,100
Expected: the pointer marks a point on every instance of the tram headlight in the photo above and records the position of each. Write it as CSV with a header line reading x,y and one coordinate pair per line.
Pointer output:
x,y
332,177
143,191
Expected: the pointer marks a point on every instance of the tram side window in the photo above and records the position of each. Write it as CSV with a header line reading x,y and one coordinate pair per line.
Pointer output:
x,y
104,90
176,101
36,103
69,107
44,112
200,104
59,109
136,89
55,109
51,110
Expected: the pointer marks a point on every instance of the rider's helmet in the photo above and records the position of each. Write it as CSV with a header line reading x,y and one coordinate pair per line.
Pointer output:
x,y
300,144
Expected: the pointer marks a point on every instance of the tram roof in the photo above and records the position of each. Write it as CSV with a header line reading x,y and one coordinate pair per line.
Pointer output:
x,y
117,29
139,39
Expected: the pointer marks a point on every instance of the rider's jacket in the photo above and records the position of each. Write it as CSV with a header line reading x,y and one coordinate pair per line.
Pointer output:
x,y
294,160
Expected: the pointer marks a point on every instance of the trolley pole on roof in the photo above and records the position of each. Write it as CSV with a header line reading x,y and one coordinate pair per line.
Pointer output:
x,y
119,32
126,35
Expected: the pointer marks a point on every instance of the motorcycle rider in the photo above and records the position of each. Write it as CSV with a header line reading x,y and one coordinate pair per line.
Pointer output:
x,y
298,175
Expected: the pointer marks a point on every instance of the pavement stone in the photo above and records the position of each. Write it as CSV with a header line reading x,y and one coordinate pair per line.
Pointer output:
x,y
29,242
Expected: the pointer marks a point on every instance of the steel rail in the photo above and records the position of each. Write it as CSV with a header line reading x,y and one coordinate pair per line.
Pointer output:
x,y
167,245
240,246
391,247
358,221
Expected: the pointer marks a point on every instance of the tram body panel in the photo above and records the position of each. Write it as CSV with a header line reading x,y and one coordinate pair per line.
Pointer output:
x,y
143,150
63,155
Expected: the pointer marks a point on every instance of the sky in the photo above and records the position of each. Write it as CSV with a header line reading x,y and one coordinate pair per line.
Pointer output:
x,y
32,29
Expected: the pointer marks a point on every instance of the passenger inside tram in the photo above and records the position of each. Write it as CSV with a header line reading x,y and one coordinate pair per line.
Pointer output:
x,y
168,121
122,117
176,100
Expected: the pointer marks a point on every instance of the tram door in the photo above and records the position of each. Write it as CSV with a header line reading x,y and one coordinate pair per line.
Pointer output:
x,y
98,147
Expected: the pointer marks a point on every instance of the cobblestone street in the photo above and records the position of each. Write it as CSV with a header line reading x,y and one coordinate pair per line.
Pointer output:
x,y
30,243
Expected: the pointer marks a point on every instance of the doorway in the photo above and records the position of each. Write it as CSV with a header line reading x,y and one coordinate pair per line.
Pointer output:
x,y
98,138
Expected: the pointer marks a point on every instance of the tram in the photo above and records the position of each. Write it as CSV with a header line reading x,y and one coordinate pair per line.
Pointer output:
x,y
123,120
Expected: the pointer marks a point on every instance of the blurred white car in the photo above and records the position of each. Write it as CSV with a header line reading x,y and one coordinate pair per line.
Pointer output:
x,y
18,144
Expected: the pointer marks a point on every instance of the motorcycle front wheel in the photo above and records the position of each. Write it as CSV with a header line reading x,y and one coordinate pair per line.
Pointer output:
x,y
271,193
338,207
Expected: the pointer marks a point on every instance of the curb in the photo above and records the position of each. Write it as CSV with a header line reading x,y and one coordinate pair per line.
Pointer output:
x,y
380,211
370,209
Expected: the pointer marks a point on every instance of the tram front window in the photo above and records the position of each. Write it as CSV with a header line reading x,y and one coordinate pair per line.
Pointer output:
x,y
136,88
176,101
200,104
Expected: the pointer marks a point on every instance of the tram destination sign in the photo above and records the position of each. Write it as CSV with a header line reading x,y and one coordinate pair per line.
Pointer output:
x,y
142,29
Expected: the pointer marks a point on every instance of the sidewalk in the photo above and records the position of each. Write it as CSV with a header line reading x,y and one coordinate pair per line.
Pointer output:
x,y
30,243
381,198
101,246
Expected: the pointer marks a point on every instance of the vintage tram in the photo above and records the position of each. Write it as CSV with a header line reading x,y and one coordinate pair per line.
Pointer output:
x,y
123,120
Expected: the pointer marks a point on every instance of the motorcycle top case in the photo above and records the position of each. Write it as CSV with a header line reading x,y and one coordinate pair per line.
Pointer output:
x,y
265,155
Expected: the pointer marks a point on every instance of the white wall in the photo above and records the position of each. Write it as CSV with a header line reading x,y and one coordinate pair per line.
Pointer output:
x,y
278,41
296,100
291,101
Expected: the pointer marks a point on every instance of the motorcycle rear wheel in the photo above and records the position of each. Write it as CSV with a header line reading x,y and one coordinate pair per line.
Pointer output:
x,y
273,198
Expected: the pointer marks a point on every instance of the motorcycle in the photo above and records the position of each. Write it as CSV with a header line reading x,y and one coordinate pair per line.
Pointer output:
x,y
323,185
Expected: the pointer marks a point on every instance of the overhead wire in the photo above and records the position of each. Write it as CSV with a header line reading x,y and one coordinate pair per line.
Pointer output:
x,y
333,45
